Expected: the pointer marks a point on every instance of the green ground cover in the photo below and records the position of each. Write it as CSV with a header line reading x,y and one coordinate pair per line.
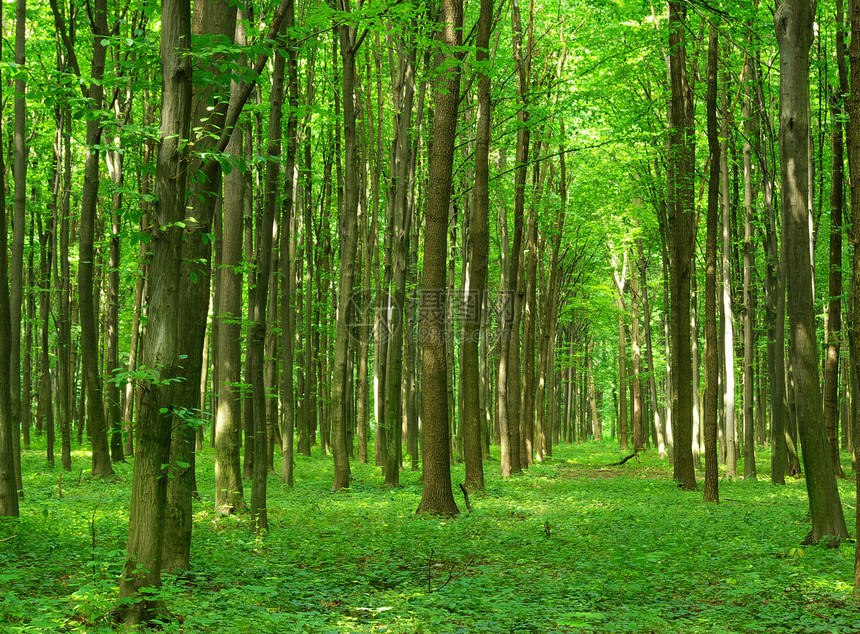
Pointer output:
x,y
571,546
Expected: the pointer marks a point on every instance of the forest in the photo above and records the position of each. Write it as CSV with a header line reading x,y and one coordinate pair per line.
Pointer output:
x,y
392,315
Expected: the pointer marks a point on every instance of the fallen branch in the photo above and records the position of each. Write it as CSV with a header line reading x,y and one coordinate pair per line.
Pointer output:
x,y
466,496
635,454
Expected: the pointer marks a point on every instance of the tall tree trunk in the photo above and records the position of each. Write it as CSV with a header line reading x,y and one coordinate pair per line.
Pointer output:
x,y
793,23
347,228
727,313
101,465
657,419
620,284
228,419
149,489
260,296
16,272
289,219
636,357
712,370
681,226
834,308
478,263
8,485
751,132
437,495
400,227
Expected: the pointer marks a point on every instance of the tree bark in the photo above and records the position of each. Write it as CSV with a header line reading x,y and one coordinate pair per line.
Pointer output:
x,y
8,486
681,226
751,132
793,24
347,227
478,262
437,495
834,308
161,351
712,370
101,464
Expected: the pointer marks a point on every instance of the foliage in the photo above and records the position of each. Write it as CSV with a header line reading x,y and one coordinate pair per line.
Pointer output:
x,y
572,545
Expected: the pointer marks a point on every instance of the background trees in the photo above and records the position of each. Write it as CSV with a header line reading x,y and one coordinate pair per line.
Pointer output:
x,y
561,164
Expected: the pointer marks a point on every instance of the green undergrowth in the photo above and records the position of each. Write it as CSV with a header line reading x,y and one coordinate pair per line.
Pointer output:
x,y
570,546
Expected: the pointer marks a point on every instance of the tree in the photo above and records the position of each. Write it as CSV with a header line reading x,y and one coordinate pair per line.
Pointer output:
x,y
793,23
681,225
149,489
712,370
478,262
8,485
347,230
437,496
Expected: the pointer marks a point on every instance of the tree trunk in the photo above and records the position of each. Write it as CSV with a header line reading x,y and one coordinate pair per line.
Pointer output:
x,y
437,496
712,370
478,263
728,347
149,489
834,308
101,465
289,219
751,132
260,297
16,268
347,227
8,486
681,226
793,22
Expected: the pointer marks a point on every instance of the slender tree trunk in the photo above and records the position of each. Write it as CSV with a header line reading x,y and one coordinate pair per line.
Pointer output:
x,y
8,486
289,219
16,272
793,22
228,418
834,308
727,313
751,131
478,263
620,284
260,297
712,370
101,465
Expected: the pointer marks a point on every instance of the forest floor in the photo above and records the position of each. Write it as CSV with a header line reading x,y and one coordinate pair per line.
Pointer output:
x,y
570,546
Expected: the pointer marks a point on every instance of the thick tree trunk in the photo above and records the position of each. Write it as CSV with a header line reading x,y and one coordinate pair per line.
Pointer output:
x,y
149,489
793,22
400,228
347,228
437,496
681,227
